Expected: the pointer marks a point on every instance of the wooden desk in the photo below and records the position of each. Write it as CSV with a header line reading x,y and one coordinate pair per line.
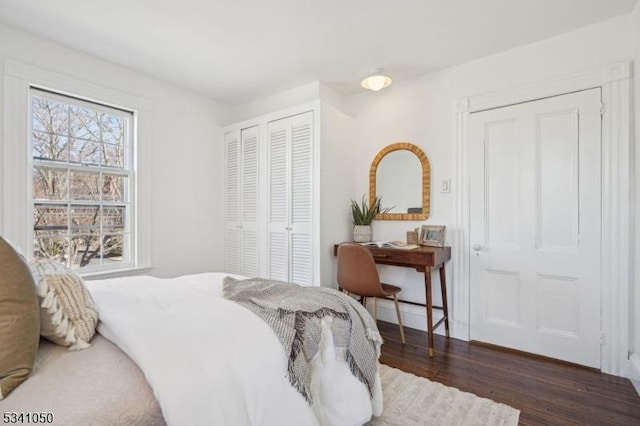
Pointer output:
x,y
423,259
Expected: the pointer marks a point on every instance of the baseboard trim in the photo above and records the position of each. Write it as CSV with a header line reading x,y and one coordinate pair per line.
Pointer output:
x,y
634,371
412,316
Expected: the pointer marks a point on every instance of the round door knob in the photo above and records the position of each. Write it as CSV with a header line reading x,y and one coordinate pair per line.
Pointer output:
x,y
476,247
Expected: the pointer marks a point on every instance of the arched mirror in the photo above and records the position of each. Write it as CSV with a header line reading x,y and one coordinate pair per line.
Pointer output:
x,y
401,176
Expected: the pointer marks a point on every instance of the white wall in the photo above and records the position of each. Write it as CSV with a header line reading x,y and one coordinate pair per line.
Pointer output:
x,y
635,316
337,185
421,111
187,188
276,102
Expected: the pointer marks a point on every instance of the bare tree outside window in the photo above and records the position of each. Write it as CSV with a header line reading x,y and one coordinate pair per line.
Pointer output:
x,y
81,181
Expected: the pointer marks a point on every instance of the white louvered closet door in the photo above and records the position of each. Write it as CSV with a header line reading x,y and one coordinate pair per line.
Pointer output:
x,y
232,208
300,223
241,207
249,202
278,237
290,160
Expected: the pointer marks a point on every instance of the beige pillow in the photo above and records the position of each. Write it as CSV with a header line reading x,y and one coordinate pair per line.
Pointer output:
x,y
68,314
19,320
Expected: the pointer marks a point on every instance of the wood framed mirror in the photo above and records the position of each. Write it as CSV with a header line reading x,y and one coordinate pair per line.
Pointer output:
x,y
401,175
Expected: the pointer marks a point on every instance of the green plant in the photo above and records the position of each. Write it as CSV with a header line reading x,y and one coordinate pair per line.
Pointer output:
x,y
364,212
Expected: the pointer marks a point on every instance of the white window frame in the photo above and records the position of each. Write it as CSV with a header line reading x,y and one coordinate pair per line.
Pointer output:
x,y
16,223
128,202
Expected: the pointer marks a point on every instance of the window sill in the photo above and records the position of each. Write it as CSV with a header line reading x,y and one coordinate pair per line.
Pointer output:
x,y
115,273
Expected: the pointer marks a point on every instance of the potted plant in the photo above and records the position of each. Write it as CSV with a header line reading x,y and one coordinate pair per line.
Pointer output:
x,y
363,214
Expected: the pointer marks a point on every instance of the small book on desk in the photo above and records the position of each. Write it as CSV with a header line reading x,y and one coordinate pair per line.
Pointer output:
x,y
396,244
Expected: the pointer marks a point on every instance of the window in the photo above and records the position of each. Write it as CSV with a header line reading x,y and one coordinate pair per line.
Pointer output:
x,y
82,182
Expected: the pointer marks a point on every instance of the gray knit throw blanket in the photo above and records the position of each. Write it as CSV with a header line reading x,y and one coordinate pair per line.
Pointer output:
x,y
295,314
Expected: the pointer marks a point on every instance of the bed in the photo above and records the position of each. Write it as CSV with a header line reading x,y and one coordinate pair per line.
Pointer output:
x,y
97,386
177,351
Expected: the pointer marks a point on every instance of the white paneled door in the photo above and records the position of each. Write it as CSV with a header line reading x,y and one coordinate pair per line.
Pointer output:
x,y
535,226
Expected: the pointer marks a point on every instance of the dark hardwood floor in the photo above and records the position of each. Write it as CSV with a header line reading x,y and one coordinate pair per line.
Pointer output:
x,y
546,392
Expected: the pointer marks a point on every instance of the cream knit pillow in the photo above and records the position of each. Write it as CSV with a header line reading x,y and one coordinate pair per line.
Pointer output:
x,y
68,314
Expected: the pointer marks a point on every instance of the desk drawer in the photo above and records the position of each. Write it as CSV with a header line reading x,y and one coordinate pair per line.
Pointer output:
x,y
401,257
416,258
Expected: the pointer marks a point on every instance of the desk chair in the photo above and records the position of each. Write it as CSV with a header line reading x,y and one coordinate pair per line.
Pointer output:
x,y
358,275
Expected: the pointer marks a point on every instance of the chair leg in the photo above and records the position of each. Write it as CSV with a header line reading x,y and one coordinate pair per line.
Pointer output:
x,y
395,300
375,309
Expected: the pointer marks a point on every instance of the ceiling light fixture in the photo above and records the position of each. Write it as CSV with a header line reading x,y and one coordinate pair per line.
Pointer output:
x,y
376,81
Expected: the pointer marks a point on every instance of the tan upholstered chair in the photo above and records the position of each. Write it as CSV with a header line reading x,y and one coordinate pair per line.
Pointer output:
x,y
358,275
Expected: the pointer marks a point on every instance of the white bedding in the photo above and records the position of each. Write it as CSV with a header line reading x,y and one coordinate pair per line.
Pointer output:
x,y
210,361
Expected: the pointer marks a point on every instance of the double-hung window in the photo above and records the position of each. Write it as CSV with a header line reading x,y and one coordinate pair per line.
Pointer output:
x,y
82,182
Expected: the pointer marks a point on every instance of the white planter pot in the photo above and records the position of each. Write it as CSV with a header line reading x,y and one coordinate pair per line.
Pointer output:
x,y
362,233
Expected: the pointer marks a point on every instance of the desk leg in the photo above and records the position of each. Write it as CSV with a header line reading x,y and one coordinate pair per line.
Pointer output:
x,y
443,286
427,288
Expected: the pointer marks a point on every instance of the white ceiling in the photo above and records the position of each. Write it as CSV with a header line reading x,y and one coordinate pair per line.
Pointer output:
x,y
237,50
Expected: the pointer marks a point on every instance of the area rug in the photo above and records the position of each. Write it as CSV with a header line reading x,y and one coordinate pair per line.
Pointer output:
x,y
410,400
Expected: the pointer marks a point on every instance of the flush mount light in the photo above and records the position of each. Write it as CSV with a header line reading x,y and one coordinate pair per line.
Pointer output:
x,y
376,81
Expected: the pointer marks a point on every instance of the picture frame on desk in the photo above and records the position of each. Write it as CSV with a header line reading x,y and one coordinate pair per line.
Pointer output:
x,y
432,235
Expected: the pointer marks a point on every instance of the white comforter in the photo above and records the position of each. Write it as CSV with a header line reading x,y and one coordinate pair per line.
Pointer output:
x,y
213,362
